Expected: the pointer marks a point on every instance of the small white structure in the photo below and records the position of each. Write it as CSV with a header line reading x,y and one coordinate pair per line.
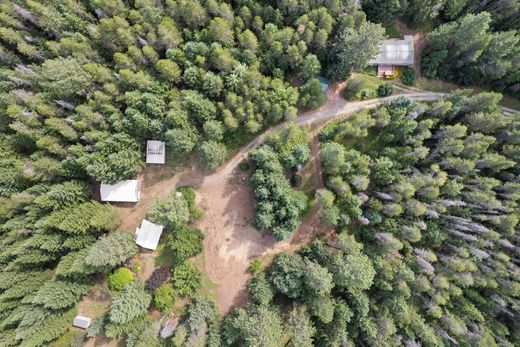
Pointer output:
x,y
148,235
155,152
124,191
394,52
82,322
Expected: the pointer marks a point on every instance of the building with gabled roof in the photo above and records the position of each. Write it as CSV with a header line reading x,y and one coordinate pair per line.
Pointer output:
x,y
394,52
148,235
124,191
82,322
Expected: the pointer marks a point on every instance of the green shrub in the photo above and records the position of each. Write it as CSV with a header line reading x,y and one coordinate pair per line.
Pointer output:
x,y
186,279
163,297
188,193
171,212
408,76
255,267
385,90
120,278
186,242
311,95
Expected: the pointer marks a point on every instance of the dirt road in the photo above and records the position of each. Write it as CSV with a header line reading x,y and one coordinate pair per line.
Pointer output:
x,y
230,240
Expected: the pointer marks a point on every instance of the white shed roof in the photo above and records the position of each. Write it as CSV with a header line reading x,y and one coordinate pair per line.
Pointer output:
x,y
155,152
395,52
124,191
82,322
148,235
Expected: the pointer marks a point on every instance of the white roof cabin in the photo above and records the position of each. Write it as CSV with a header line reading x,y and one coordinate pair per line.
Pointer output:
x,y
155,152
395,52
148,235
82,322
124,191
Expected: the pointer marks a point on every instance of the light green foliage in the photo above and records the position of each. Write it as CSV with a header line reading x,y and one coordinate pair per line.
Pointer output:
x,y
57,295
260,290
111,250
201,311
180,335
353,49
301,328
50,329
120,278
170,212
169,70
220,31
185,242
212,154
311,95
88,217
186,279
163,297
116,158
65,194
65,78
130,303
258,326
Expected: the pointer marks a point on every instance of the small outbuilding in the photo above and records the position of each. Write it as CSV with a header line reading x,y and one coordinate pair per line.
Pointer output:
x,y
82,322
124,191
155,152
148,235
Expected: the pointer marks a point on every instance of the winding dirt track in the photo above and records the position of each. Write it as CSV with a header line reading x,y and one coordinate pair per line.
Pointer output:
x,y
230,240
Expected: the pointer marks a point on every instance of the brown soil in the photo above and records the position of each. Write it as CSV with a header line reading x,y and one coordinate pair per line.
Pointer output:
x,y
419,42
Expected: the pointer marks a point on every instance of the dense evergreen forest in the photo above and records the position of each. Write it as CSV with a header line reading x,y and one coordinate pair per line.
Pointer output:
x,y
423,197
424,200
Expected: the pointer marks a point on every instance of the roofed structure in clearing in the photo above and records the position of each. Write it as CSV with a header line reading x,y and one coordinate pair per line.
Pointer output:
x,y
155,152
395,52
148,235
82,322
124,191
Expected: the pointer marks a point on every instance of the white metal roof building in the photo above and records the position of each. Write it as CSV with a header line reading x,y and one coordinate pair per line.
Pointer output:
x,y
124,191
155,152
148,235
82,322
395,52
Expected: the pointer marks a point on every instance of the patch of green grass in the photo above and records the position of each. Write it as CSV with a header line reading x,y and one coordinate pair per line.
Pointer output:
x,y
72,338
391,30
362,87
208,287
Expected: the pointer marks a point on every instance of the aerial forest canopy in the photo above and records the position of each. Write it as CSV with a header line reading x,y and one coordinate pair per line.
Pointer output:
x,y
83,84
424,199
